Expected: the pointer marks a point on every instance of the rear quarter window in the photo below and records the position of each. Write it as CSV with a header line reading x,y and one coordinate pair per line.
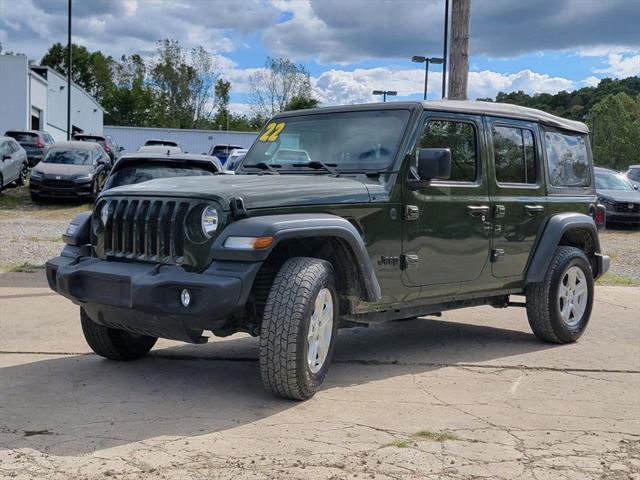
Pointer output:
x,y
568,160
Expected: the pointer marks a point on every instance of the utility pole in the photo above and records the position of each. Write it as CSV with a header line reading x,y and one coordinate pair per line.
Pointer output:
x,y
69,68
445,45
459,59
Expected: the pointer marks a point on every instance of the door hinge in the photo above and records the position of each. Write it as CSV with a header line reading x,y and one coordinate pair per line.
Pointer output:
x,y
411,212
497,255
500,211
409,261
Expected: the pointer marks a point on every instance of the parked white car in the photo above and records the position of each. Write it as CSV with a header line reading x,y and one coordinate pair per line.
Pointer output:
x,y
13,162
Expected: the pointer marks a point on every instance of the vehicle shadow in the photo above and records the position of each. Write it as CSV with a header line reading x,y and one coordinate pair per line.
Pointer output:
x,y
74,405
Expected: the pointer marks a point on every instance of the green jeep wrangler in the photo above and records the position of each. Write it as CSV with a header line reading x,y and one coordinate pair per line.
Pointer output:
x,y
345,216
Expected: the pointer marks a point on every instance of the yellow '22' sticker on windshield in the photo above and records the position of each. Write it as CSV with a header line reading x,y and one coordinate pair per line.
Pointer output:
x,y
272,132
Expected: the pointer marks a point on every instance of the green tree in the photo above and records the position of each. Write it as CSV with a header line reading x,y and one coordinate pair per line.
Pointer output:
x,y
91,71
131,100
222,96
300,103
183,86
615,131
278,84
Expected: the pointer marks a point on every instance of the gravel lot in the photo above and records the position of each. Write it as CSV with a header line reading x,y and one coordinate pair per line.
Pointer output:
x,y
32,234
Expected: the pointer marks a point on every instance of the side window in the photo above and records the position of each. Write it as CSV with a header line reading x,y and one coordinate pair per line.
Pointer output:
x,y
514,154
568,160
460,138
4,149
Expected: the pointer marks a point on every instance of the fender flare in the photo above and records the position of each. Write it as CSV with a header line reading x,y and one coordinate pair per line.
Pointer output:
x,y
550,238
289,226
79,230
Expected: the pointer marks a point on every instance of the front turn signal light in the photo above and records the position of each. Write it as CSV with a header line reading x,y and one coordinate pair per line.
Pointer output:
x,y
248,243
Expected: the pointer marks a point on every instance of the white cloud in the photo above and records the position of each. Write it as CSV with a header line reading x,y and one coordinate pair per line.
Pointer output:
x,y
621,65
590,81
337,87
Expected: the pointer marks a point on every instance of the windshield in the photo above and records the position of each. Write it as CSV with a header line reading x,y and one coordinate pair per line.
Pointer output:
x,y
166,143
69,157
23,136
610,181
365,140
145,171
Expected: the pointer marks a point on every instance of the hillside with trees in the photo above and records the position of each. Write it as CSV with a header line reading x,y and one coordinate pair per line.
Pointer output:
x,y
611,110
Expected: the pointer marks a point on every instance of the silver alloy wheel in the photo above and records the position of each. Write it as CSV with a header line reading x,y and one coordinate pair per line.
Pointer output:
x,y
573,295
320,330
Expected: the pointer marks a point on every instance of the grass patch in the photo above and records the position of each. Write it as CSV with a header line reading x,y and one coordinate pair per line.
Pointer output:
x,y
616,279
435,436
16,201
24,267
398,444
33,238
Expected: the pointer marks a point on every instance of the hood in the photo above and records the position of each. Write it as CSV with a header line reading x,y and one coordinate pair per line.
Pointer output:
x,y
257,191
620,195
63,170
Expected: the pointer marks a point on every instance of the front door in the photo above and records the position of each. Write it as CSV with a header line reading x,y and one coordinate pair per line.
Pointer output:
x,y
447,229
518,191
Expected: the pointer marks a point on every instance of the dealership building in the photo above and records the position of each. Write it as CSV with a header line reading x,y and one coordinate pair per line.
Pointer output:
x,y
33,97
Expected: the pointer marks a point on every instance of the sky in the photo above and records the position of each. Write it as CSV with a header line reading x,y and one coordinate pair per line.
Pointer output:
x,y
352,47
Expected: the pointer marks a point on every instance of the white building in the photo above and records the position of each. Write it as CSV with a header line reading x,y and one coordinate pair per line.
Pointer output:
x,y
192,141
35,98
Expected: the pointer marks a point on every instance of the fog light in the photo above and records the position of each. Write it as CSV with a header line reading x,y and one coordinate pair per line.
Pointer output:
x,y
185,298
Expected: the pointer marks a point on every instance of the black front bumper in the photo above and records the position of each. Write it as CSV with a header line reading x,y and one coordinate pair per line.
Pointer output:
x,y
61,189
145,298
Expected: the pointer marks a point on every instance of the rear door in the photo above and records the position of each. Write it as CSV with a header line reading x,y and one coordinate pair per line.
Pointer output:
x,y
518,193
446,229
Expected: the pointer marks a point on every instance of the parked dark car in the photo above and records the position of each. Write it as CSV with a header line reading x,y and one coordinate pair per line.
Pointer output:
x,y
70,170
13,162
107,142
619,196
633,174
34,142
142,167
223,151
401,209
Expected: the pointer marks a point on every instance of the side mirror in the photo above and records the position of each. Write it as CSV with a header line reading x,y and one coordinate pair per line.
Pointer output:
x,y
121,149
434,163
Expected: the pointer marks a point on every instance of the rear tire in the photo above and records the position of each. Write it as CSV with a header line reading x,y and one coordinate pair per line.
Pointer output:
x,y
113,343
559,307
299,328
22,178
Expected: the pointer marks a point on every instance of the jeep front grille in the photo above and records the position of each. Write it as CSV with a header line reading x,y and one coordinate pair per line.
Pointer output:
x,y
147,229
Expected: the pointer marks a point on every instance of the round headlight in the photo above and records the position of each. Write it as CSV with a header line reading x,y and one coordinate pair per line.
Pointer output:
x,y
209,221
104,214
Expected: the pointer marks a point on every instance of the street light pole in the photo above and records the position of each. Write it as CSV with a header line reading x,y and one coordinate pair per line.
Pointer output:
x,y
69,68
427,61
384,94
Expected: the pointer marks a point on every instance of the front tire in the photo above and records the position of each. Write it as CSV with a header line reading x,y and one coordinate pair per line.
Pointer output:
x,y
113,343
299,328
559,307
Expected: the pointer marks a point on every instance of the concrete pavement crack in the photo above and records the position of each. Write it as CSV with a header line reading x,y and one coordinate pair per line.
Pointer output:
x,y
357,362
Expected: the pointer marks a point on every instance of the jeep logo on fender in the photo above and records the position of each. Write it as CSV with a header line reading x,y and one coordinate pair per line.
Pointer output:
x,y
390,261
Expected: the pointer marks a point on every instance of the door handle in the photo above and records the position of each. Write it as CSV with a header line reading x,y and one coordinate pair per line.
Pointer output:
x,y
477,210
533,209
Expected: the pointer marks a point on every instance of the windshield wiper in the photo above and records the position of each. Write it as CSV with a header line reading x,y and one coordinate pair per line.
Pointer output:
x,y
264,166
317,165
